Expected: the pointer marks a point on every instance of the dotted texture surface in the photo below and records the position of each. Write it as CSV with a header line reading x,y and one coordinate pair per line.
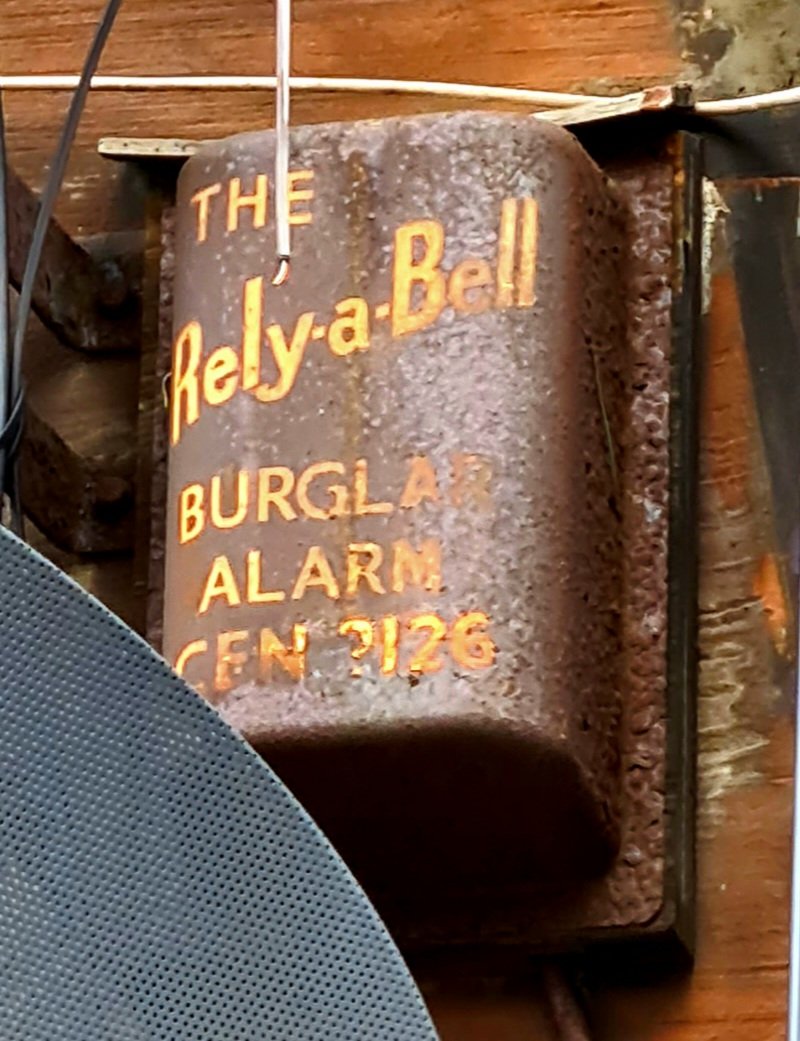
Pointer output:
x,y
156,879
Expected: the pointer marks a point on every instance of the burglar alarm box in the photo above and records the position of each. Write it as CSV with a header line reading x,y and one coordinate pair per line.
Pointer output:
x,y
429,530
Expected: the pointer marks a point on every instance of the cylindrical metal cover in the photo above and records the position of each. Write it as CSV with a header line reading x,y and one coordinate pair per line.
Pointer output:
x,y
393,545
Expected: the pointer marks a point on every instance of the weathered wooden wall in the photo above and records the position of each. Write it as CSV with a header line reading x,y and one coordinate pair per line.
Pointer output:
x,y
726,46
738,988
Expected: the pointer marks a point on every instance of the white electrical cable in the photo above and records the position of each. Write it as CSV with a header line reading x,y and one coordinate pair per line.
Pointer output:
x,y
341,84
751,103
283,57
327,84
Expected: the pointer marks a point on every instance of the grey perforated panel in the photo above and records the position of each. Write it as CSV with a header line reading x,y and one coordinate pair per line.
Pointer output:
x,y
157,882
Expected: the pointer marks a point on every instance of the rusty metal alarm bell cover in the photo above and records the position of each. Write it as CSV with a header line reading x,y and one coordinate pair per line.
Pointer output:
x,y
393,554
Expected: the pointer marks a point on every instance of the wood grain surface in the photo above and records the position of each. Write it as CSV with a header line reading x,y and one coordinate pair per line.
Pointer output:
x,y
738,988
556,44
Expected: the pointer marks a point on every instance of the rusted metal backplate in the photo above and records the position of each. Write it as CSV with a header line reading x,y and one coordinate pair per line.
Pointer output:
x,y
394,545
647,890
647,893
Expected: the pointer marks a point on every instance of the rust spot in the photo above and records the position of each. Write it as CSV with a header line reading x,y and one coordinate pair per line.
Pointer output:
x,y
740,46
770,588
727,405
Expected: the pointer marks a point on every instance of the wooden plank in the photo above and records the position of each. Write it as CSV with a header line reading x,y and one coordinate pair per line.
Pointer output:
x,y
738,988
439,39
555,44
89,305
82,505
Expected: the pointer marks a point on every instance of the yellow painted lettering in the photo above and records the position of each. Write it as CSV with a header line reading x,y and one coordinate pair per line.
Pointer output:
x,y
337,492
366,569
185,654
220,375
275,496
417,277
300,195
316,573
364,632
467,277
425,659
421,483
185,404
191,512
471,646
242,501
390,639
505,253
254,593
422,567
256,201
287,357
291,659
350,330
229,661
472,478
362,507
528,243
202,200
220,585
252,322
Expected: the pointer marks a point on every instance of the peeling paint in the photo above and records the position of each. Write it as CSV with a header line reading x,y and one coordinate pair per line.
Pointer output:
x,y
740,46
733,671
737,688
714,212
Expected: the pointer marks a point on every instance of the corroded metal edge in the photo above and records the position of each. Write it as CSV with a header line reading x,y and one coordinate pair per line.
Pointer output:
x,y
666,910
654,906
659,98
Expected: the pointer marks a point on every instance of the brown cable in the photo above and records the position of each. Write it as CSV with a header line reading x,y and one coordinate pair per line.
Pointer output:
x,y
565,1008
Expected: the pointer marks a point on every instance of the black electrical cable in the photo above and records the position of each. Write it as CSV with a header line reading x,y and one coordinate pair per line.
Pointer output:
x,y
5,358
43,217
10,416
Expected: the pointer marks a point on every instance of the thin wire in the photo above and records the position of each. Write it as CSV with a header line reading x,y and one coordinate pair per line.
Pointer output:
x,y
53,185
45,213
283,58
5,357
